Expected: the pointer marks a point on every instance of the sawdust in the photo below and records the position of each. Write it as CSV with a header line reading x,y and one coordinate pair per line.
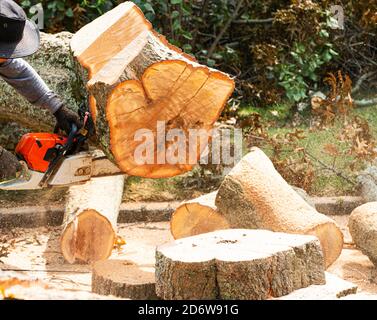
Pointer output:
x,y
36,253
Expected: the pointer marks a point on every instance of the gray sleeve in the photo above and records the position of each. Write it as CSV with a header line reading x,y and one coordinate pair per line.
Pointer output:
x,y
26,81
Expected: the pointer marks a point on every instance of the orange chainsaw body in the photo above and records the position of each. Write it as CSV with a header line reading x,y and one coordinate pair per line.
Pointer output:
x,y
39,149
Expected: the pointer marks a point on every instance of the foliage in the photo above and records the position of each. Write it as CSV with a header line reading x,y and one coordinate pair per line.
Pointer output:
x,y
69,15
294,159
284,150
278,49
338,101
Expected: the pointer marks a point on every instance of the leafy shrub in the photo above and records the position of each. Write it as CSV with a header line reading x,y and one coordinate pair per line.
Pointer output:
x,y
277,49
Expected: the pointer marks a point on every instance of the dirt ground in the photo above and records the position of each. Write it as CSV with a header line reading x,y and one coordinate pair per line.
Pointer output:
x,y
36,252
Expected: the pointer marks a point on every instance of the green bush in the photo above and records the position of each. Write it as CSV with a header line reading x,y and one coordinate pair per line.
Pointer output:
x,y
277,49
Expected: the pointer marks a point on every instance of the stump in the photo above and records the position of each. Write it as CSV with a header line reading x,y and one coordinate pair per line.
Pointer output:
x,y
363,228
238,264
254,195
124,279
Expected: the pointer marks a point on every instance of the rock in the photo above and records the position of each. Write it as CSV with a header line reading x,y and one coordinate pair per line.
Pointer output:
x,y
304,195
368,184
363,228
238,264
337,206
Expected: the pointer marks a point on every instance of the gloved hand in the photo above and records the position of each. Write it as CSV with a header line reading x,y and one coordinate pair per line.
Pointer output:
x,y
65,118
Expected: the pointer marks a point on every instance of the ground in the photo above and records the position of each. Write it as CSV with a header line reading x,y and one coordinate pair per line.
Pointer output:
x,y
36,252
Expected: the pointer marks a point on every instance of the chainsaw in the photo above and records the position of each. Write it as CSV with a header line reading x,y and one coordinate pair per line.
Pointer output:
x,y
56,160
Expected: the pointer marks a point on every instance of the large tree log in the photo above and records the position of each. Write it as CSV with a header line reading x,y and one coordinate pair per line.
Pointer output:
x,y
91,218
54,63
140,82
254,195
238,264
136,79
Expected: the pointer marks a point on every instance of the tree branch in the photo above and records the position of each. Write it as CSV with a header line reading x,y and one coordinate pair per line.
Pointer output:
x,y
361,80
365,102
225,28
254,21
338,173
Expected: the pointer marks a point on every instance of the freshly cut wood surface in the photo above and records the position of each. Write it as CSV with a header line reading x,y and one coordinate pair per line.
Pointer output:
x,y
90,222
238,264
254,195
124,279
143,80
197,216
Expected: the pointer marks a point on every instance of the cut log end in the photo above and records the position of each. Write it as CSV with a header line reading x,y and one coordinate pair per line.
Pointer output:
x,y
196,217
87,239
171,95
331,239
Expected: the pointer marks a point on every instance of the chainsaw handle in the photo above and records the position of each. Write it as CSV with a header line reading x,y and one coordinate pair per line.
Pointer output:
x,y
73,133
74,129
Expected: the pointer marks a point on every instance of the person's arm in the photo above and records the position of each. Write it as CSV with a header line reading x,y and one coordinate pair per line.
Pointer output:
x,y
23,78
26,81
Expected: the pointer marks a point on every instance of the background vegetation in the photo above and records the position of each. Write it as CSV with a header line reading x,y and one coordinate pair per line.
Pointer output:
x,y
281,53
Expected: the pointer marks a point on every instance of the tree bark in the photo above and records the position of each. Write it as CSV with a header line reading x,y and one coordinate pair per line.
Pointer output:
x,y
255,196
238,264
90,222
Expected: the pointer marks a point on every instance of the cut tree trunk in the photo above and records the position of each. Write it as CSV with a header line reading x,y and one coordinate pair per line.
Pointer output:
x,y
196,217
134,80
254,195
124,279
143,82
238,264
90,222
